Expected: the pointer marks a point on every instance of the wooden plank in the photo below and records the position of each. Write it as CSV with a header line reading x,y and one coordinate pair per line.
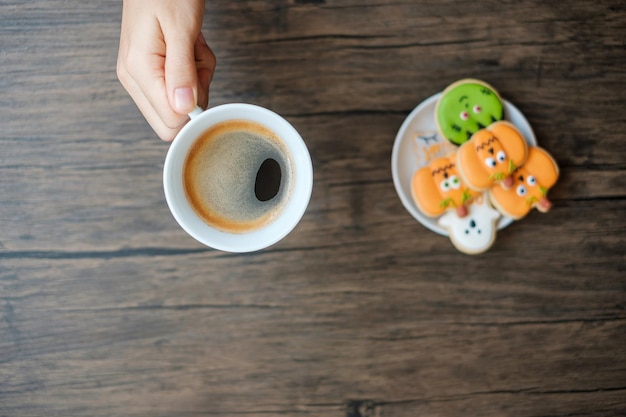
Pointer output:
x,y
159,358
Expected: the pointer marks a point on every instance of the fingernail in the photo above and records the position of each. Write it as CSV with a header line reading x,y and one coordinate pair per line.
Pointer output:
x,y
183,100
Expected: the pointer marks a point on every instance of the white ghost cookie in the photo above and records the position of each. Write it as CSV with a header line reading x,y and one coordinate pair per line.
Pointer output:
x,y
475,232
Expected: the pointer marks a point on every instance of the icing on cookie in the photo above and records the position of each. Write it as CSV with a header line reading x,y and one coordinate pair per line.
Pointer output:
x,y
531,183
491,156
438,187
465,107
476,232
428,145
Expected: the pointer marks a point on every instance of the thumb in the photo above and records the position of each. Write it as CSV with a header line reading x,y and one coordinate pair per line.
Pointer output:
x,y
181,79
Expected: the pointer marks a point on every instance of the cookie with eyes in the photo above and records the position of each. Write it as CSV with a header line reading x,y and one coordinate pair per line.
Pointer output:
x,y
531,183
476,232
437,188
491,156
465,107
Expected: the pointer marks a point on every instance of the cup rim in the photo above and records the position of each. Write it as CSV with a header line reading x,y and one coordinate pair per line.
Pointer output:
x,y
276,229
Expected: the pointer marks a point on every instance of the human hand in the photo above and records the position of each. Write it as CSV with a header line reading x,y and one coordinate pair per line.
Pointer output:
x,y
164,61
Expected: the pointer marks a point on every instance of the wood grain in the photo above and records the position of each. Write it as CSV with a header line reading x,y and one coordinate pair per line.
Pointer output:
x,y
108,308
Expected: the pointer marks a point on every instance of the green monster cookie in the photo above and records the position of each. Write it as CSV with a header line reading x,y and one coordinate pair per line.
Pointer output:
x,y
465,107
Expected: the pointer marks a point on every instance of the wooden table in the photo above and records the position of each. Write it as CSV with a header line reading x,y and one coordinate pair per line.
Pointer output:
x,y
108,308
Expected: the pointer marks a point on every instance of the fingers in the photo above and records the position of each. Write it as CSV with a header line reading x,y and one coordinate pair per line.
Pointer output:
x,y
164,61
181,79
205,68
143,77
189,68
146,80
155,121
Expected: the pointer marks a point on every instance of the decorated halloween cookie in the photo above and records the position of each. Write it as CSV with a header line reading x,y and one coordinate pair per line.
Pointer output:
x,y
475,232
465,107
531,183
437,187
491,156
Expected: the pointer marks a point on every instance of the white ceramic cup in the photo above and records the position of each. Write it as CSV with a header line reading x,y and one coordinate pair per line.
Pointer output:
x,y
293,209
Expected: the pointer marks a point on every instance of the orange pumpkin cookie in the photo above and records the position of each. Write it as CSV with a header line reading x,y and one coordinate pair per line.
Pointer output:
x,y
531,183
491,156
438,187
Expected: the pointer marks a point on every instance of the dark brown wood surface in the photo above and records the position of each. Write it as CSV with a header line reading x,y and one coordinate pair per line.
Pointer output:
x,y
107,308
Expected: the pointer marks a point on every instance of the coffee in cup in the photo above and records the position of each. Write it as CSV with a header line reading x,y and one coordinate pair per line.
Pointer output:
x,y
237,176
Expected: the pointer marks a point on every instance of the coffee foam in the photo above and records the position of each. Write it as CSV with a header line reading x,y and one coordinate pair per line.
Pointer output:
x,y
220,175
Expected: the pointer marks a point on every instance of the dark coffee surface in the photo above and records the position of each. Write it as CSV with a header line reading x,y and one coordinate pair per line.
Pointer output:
x,y
227,166
268,180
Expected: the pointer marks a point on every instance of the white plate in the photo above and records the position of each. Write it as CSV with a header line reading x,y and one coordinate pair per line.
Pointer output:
x,y
405,158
